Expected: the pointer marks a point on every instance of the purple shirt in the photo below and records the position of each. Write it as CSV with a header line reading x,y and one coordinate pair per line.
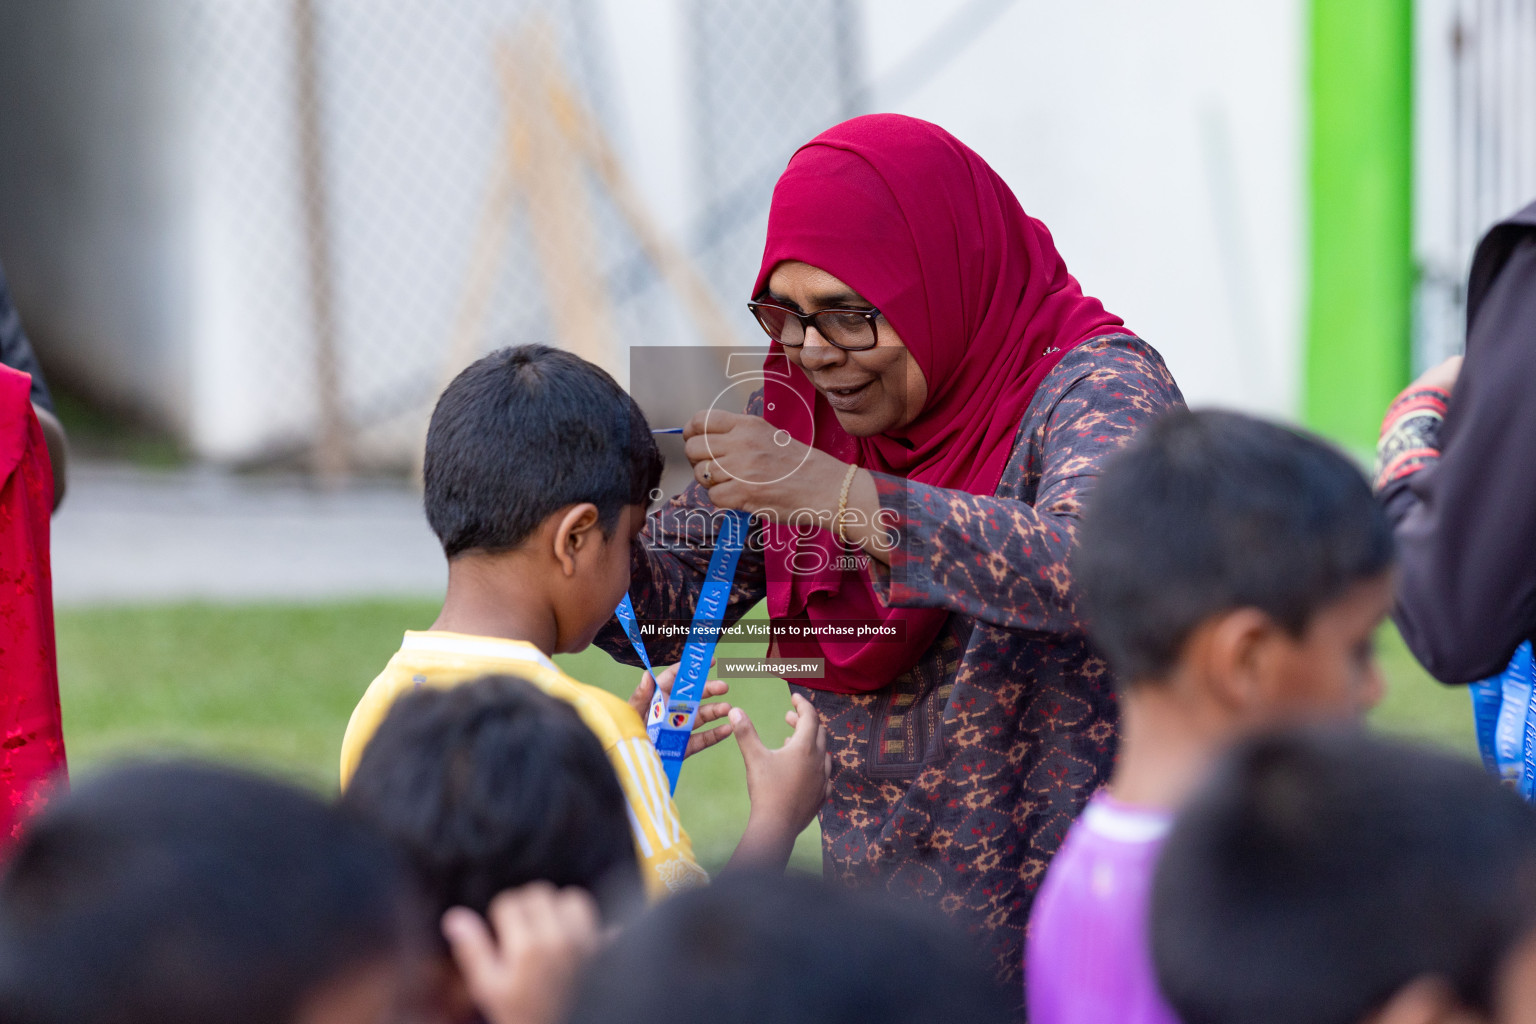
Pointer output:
x,y
1088,960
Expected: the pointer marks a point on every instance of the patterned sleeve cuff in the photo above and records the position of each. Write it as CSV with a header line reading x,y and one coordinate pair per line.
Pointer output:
x,y
1410,434
891,582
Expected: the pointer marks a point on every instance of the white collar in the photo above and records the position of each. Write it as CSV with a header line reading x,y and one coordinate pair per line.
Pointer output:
x,y
439,642
1125,824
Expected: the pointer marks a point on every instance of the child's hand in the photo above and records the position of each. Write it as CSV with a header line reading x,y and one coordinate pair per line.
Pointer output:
x,y
545,934
703,739
786,786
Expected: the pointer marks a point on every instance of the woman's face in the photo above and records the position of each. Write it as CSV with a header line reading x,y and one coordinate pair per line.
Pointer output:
x,y
873,391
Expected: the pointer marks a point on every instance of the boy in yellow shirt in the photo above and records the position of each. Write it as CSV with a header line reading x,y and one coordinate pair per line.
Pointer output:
x,y
538,474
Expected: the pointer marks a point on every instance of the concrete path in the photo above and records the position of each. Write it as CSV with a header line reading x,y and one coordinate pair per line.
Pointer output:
x,y
126,534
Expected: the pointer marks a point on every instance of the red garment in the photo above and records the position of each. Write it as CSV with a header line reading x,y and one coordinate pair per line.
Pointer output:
x,y
914,221
31,731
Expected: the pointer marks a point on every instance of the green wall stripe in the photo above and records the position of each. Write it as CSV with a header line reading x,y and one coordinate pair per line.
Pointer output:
x,y
1361,247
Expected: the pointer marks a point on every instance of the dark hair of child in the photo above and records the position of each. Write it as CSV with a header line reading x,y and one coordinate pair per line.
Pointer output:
x,y
779,949
492,785
182,893
1205,512
524,432
1316,874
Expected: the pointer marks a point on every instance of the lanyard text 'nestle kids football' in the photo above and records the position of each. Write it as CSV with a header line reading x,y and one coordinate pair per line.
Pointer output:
x,y
670,721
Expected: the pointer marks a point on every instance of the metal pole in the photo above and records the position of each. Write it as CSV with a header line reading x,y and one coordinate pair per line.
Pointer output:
x,y
330,451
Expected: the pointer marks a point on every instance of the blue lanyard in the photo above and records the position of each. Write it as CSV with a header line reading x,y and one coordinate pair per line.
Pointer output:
x,y
1504,711
626,613
670,721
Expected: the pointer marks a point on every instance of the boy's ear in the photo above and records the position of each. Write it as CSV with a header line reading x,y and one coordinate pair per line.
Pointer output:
x,y
1232,652
1424,1001
576,530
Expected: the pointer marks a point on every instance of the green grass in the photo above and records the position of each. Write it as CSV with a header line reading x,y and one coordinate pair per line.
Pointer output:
x,y
272,686
1416,706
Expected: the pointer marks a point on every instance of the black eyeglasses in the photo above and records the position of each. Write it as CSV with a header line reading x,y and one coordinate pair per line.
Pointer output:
x,y
852,330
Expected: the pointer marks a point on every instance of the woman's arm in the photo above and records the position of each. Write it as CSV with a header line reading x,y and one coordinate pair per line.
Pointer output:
x,y
1466,519
1005,560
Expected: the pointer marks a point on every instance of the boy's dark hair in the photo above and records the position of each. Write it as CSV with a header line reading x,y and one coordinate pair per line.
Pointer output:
x,y
782,949
494,784
180,894
525,432
1206,512
1317,874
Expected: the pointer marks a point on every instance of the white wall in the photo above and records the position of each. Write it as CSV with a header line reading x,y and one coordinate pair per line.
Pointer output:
x,y
90,184
1163,145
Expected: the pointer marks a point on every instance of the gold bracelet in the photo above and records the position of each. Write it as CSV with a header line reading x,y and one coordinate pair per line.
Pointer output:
x,y
842,504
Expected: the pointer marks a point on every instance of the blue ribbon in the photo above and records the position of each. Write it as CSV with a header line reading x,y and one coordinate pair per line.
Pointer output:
x,y
670,721
1504,711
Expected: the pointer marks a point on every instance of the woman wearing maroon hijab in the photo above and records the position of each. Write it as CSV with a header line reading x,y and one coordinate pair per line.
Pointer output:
x,y
938,396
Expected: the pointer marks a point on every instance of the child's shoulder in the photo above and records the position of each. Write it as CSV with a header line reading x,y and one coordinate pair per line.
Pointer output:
x,y
1109,842
610,717
441,659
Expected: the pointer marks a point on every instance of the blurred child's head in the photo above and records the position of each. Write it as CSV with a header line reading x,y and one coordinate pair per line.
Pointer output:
x,y
1241,559
1328,879
537,452
488,786
181,894
494,784
775,949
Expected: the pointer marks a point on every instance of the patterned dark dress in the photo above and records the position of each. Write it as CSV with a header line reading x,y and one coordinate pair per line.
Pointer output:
x,y
956,783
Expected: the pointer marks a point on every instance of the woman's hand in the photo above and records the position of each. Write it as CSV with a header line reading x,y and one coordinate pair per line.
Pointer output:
x,y
703,739
746,463
749,464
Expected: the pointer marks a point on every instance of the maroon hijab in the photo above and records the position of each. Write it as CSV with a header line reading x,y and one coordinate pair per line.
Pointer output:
x,y
910,218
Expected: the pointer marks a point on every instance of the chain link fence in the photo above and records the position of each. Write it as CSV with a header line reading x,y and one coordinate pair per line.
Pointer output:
x,y
1482,75
394,187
